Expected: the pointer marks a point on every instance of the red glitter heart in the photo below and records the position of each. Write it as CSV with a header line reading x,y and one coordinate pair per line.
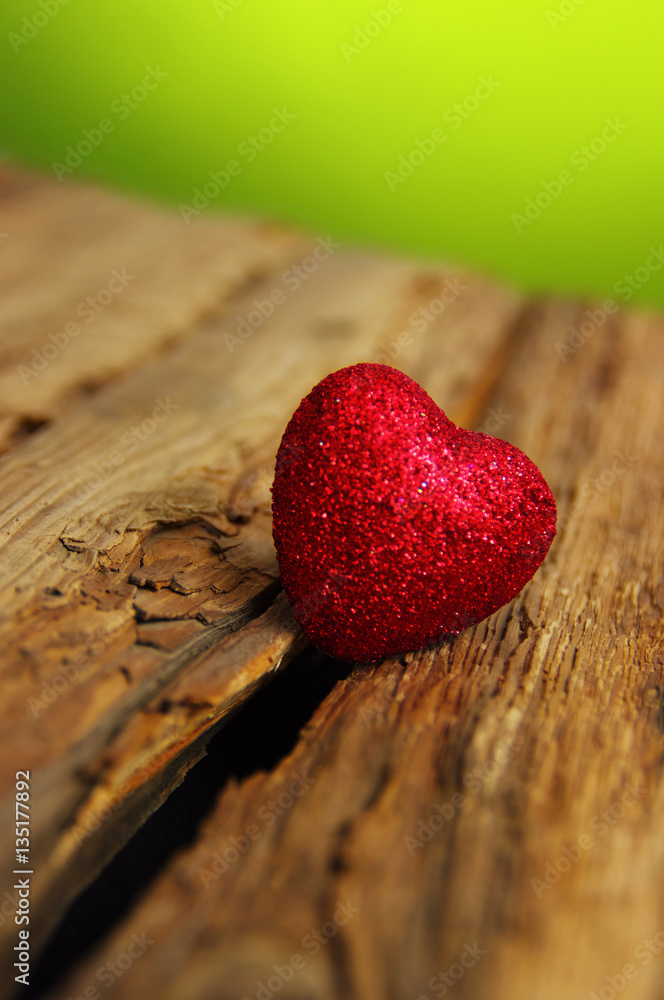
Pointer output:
x,y
394,527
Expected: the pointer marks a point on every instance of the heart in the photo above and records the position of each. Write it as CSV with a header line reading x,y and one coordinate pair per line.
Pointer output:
x,y
394,527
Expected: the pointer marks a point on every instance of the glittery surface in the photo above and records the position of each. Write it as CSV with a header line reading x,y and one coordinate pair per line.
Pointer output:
x,y
393,526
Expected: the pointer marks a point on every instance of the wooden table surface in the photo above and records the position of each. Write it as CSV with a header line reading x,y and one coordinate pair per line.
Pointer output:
x,y
484,819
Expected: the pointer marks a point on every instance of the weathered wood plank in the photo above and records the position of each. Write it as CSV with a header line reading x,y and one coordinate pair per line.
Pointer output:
x,y
500,798
92,285
138,575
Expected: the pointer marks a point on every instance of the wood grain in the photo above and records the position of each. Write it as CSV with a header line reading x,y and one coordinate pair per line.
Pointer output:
x,y
444,795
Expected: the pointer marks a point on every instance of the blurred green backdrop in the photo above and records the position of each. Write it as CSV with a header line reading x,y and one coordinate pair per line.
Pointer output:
x,y
524,138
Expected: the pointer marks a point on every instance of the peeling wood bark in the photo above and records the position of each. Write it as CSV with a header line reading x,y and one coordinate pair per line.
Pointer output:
x,y
436,791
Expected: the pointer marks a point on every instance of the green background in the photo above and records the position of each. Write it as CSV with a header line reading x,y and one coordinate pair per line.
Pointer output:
x,y
562,70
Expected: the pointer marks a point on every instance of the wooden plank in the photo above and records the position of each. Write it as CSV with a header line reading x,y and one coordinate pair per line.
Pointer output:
x,y
490,811
110,283
139,584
